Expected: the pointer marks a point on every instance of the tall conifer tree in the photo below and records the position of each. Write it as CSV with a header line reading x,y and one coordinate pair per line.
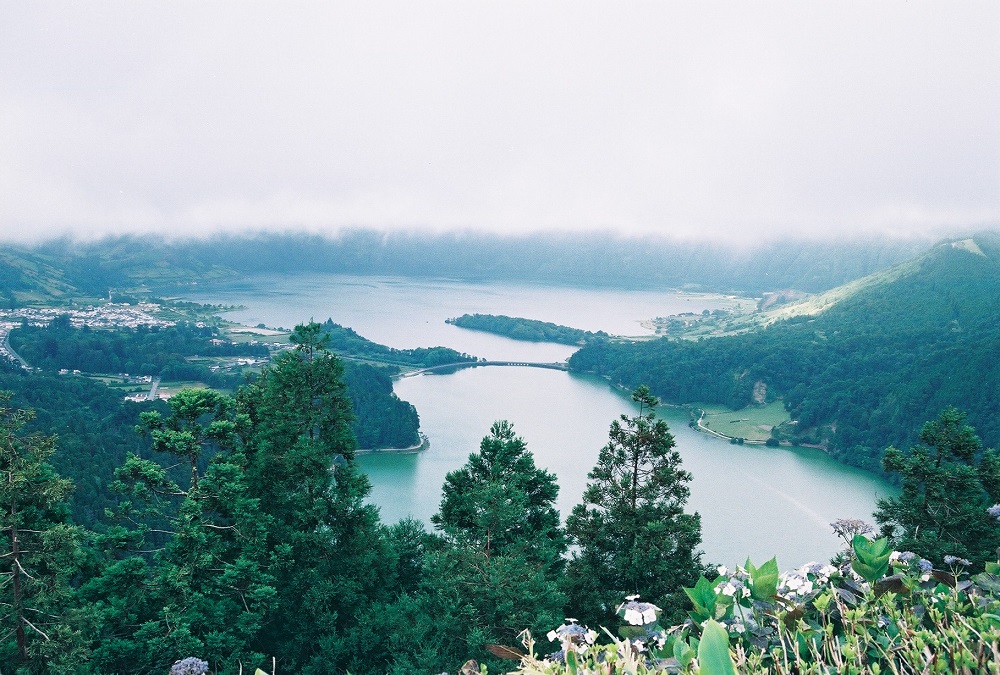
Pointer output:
x,y
949,483
631,532
493,569
206,589
326,546
40,552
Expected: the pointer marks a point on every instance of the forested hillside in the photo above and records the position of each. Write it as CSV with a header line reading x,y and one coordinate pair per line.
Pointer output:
x,y
143,350
346,342
95,429
381,419
862,374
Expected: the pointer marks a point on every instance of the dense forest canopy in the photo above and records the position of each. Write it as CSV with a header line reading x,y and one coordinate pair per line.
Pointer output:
x,y
861,375
143,350
95,429
264,518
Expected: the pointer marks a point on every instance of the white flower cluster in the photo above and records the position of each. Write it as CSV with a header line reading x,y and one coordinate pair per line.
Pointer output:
x,y
638,613
572,635
732,588
799,583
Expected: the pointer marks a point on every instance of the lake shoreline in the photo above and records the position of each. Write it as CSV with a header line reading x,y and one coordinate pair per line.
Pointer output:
x,y
424,444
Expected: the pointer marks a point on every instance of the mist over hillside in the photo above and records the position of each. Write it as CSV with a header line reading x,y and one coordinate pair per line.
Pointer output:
x,y
64,266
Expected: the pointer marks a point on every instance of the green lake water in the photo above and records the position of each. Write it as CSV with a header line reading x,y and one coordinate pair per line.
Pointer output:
x,y
754,501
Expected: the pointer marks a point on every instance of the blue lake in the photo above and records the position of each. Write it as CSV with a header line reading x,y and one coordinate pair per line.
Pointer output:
x,y
754,501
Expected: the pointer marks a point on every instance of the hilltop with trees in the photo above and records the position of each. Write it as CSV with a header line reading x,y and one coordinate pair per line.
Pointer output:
x,y
858,369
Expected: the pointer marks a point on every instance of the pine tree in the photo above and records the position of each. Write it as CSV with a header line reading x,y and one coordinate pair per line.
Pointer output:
x,y
948,484
631,532
328,553
493,569
40,552
500,500
205,589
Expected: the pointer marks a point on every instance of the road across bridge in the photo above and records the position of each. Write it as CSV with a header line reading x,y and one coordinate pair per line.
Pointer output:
x,y
476,364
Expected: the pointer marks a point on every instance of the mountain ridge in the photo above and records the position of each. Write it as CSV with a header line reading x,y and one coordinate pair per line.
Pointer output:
x,y
144,263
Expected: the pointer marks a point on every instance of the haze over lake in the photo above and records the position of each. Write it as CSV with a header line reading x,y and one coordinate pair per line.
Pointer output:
x,y
753,500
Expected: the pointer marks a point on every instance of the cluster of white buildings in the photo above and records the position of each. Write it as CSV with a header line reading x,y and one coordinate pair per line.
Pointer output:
x,y
108,315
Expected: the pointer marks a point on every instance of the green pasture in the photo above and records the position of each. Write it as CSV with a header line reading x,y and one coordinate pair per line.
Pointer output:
x,y
168,389
243,334
752,423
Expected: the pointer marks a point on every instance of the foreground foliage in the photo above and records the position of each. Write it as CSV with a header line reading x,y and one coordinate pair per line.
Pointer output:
x,y
882,612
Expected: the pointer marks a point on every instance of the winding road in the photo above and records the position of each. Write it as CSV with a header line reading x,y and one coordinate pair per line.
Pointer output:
x,y
7,350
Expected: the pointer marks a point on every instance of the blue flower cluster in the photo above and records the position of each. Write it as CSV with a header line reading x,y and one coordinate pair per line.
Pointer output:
x,y
189,666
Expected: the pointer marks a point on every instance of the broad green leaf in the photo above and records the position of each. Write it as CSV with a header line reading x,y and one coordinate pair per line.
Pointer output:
x,y
683,653
571,662
703,597
713,652
763,580
871,558
988,582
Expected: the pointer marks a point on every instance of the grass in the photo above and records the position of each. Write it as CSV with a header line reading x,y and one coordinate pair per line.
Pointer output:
x,y
753,423
170,388
242,334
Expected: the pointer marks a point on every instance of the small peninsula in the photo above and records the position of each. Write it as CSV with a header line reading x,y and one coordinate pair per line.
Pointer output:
x,y
529,330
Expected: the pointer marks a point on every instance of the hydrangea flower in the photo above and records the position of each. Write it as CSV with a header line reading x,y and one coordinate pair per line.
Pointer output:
x,y
994,511
955,560
794,584
736,626
638,613
819,571
189,666
572,633
732,587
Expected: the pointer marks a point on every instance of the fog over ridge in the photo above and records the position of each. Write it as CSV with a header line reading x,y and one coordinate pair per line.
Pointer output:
x,y
719,120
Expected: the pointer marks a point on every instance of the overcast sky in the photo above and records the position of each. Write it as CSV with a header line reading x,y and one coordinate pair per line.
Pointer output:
x,y
725,120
